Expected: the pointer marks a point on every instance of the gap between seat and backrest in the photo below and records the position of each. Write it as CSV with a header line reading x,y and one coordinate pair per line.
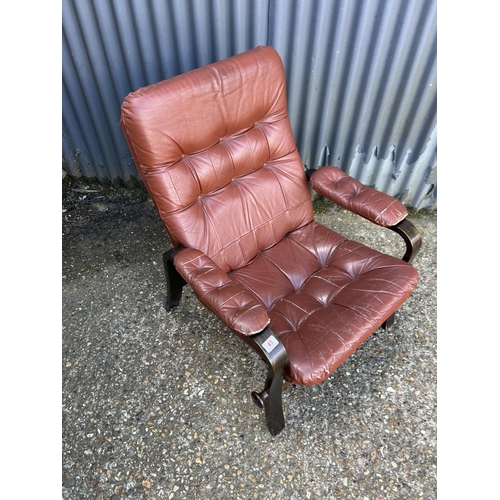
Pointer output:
x,y
215,149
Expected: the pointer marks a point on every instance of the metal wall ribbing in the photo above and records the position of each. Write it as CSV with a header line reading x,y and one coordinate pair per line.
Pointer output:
x,y
361,78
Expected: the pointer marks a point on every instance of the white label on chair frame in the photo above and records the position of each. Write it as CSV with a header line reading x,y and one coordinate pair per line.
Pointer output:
x,y
270,343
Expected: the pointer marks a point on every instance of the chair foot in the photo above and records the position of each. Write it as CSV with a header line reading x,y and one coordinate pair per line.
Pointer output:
x,y
175,282
270,399
389,322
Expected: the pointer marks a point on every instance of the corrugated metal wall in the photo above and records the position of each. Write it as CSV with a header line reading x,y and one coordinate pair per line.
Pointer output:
x,y
361,78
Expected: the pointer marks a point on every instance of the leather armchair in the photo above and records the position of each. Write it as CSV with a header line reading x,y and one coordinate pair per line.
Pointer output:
x,y
215,150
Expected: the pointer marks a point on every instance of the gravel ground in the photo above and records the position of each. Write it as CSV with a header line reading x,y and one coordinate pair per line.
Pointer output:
x,y
157,404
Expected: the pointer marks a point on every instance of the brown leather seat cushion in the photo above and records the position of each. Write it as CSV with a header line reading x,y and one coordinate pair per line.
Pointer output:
x,y
325,295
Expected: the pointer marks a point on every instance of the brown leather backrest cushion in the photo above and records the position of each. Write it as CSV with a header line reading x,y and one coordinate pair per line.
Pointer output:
x,y
216,152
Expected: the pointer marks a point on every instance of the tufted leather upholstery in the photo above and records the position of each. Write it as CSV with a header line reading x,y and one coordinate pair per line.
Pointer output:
x,y
216,152
349,193
325,295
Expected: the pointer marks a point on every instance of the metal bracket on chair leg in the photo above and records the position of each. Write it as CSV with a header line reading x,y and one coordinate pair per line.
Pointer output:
x,y
411,236
273,352
175,281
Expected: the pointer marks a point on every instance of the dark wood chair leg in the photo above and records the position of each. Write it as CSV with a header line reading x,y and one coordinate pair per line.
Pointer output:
x,y
175,282
411,236
274,354
388,322
413,240
270,399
